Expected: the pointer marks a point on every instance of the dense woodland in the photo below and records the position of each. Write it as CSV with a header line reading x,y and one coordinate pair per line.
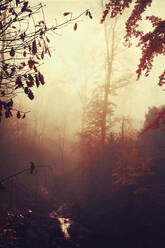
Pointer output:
x,y
75,170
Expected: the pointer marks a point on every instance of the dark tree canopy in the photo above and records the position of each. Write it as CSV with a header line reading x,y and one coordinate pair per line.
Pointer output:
x,y
152,43
155,119
152,141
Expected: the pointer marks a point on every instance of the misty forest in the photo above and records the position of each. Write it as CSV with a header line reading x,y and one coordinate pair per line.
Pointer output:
x,y
82,124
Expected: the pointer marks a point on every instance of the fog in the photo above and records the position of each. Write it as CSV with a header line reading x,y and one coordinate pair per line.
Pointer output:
x,y
62,131
50,132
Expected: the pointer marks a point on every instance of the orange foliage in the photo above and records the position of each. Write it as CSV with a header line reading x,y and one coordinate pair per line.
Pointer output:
x,y
130,166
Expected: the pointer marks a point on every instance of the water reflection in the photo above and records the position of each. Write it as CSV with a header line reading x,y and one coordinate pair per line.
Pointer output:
x,y
64,223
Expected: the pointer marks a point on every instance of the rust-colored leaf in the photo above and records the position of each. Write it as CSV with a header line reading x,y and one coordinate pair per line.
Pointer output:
x,y
26,90
38,57
22,36
35,68
30,81
90,15
34,47
41,78
23,64
49,52
39,43
11,10
47,39
66,13
18,115
37,81
18,81
30,63
12,52
75,27
42,55
30,95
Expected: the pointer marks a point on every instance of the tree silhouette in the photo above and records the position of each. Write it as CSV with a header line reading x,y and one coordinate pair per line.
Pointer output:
x,y
152,140
155,120
151,43
99,118
24,44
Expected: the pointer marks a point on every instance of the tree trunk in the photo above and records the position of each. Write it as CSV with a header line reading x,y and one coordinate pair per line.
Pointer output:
x,y
110,45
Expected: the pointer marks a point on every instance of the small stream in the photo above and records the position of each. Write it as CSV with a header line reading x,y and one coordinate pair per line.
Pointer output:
x,y
65,223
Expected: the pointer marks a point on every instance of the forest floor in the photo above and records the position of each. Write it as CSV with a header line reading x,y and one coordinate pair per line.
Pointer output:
x,y
125,218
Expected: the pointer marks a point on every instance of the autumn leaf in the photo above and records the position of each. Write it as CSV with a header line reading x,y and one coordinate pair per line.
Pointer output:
x,y
90,15
30,83
22,36
34,47
39,43
37,81
35,68
66,13
47,39
12,52
30,63
11,10
18,81
24,53
75,26
29,10
49,52
30,95
42,55
41,78
18,115
26,90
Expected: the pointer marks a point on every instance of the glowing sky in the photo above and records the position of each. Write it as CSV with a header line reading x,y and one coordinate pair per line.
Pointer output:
x,y
78,58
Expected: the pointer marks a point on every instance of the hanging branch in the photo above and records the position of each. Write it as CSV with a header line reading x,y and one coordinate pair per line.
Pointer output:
x,y
24,44
151,43
29,169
